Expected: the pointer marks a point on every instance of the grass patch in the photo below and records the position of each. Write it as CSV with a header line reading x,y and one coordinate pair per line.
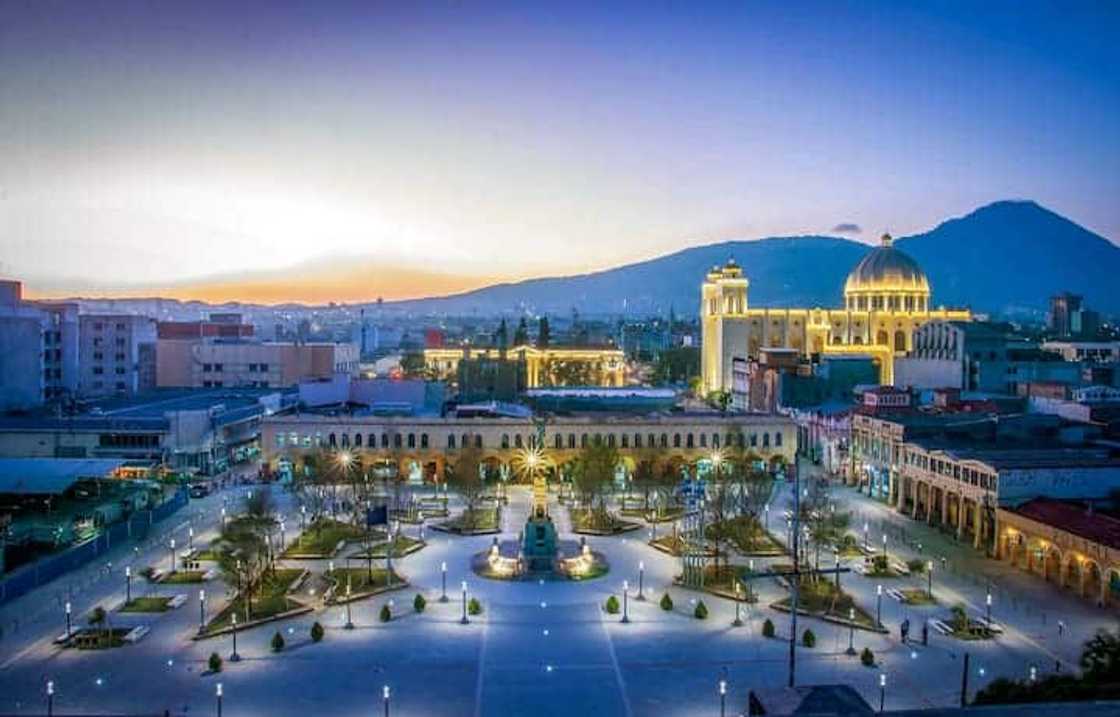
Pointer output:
x,y
100,639
473,521
821,598
183,577
322,536
207,554
675,545
147,604
598,521
746,534
361,580
270,598
916,596
402,545
722,580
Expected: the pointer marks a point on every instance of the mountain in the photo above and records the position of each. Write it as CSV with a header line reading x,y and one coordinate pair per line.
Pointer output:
x,y
1006,256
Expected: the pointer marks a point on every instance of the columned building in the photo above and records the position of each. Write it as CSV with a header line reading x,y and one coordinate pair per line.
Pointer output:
x,y
886,298
544,366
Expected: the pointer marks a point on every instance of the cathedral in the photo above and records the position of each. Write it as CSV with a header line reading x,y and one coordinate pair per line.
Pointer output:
x,y
886,298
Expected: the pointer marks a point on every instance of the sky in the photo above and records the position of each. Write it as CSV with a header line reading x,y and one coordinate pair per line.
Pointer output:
x,y
271,151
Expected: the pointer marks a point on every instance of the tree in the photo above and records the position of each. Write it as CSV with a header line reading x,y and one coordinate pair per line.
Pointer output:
x,y
521,334
413,365
544,333
99,620
677,365
1100,661
647,466
501,336
463,477
594,474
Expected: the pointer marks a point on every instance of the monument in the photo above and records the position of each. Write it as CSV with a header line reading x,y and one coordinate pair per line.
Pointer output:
x,y
539,543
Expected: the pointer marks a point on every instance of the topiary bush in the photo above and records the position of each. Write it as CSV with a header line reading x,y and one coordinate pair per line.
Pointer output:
x,y
215,662
386,614
277,642
611,605
701,611
474,607
419,603
808,639
316,632
916,566
768,628
879,564
666,602
867,657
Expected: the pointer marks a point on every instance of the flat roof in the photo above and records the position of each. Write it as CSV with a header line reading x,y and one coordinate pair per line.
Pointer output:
x,y
1073,518
50,476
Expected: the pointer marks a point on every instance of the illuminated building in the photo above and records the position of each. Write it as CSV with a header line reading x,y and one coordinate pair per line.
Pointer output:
x,y
551,366
886,298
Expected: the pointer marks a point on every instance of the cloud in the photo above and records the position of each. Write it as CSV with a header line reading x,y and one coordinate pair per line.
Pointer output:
x,y
847,228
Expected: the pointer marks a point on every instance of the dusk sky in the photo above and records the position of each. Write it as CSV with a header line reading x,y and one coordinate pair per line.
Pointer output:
x,y
398,149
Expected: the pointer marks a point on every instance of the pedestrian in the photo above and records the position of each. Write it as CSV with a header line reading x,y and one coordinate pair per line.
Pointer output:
x,y
905,630
1061,627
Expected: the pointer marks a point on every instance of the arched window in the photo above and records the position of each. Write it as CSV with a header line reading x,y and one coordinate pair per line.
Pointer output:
x,y
465,440
423,440
610,440
625,440
398,440
478,441
571,440
583,440
778,439
899,340
598,439
411,440
384,440
559,441
881,338
765,440
754,440
505,440
637,440
532,440
517,440
651,440
371,440
665,440
331,441
676,440
715,440
451,441
703,440
345,440
357,440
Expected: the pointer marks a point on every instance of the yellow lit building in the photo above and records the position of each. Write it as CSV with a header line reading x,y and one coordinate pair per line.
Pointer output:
x,y
886,297
598,366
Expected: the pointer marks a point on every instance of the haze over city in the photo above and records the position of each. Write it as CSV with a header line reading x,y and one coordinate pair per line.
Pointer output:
x,y
320,152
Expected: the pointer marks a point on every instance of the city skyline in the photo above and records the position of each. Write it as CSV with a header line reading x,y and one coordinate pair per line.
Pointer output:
x,y
360,143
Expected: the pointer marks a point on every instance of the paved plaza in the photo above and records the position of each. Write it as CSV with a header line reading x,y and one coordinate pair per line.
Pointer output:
x,y
540,647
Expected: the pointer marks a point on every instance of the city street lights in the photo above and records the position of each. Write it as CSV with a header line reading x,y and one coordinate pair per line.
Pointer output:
x,y
866,545
234,657
201,611
851,631
884,545
127,584
349,623
172,547
190,537
443,581
68,619
385,698
223,518
722,697
282,536
882,690
836,562
988,602
218,694
302,517
641,579
464,620
625,601
50,698
879,605
738,622
929,580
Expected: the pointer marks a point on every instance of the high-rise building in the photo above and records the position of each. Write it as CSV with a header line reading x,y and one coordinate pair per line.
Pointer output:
x,y
1070,317
38,350
115,353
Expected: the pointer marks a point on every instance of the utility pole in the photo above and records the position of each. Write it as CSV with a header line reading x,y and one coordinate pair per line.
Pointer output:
x,y
964,680
795,585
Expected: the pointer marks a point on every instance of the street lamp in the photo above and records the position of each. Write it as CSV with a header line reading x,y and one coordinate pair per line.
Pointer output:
x,y
127,584
349,624
172,546
884,545
385,698
879,605
929,580
882,690
464,620
201,611
722,697
625,601
988,602
223,518
836,560
190,537
67,619
851,631
282,535
50,698
738,622
234,657
443,581
641,579
866,545
218,694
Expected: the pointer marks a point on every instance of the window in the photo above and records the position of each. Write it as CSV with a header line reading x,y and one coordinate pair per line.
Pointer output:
x,y
778,439
676,440
97,370
207,368
384,440
331,441
689,442
252,368
398,440
119,341
411,440
345,440
98,326
703,440
120,326
571,440
98,356
263,367
478,441
451,440
357,440
583,440
517,440
664,440
423,440
119,370
505,440
625,440
765,440
754,440
637,440
610,440
119,356
217,367
559,441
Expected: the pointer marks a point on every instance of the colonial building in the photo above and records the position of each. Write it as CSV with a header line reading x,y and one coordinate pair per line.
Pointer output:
x,y
549,366
420,447
886,298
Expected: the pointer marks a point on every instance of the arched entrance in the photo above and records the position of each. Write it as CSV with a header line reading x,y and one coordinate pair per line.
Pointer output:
x,y
1052,565
1092,582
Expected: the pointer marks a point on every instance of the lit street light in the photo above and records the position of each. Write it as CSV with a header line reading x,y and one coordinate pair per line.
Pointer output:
x,y
851,631
349,623
882,690
879,605
385,698
172,546
218,694
625,601
884,545
929,580
67,619
234,657
50,698
641,579
738,622
866,545
201,611
464,620
223,518
190,537
988,602
443,581
127,584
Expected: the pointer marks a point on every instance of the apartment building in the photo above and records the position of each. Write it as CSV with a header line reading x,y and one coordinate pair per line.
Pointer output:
x,y
217,363
115,354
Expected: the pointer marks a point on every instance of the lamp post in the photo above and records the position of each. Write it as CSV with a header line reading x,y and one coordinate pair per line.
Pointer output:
x,y
190,537
625,601
722,697
443,581
234,657
218,694
738,621
67,619
223,518
302,517
282,536
929,580
884,545
766,511
50,698
851,631
201,611
866,544
988,603
349,623
127,584
879,605
464,620
882,690
385,698
836,562
641,579
172,547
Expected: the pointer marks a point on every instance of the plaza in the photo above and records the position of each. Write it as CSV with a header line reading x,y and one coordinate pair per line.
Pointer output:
x,y
539,646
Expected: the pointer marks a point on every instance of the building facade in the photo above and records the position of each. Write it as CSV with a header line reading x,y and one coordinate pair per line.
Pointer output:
x,y
216,363
886,298
116,352
38,350
549,366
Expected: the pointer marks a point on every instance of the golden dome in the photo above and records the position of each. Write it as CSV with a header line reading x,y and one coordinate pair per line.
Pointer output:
x,y
886,270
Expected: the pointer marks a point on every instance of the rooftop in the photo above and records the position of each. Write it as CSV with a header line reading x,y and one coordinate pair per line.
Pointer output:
x,y
1073,517
50,476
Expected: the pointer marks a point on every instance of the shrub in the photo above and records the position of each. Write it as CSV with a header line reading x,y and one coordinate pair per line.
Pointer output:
x,y
867,657
808,639
666,602
215,662
701,611
277,642
474,607
419,603
386,614
148,572
916,566
768,628
612,605
316,632
879,564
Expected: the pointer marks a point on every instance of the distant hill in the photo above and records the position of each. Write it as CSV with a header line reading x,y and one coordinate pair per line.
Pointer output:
x,y
1006,256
